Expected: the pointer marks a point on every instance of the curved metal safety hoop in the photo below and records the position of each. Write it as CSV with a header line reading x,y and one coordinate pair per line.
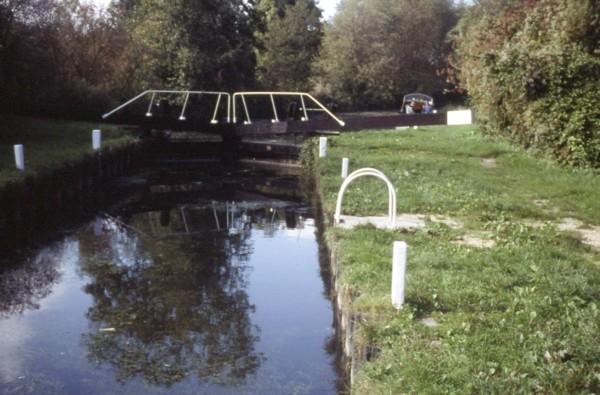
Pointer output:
x,y
367,171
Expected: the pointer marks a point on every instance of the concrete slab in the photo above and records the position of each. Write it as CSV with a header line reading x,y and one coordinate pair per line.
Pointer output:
x,y
430,322
404,221
449,222
590,234
489,163
476,241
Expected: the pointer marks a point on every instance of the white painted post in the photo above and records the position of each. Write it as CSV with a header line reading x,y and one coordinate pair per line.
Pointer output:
x,y
344,168
322,147
398,273
96,139
461,117
19,157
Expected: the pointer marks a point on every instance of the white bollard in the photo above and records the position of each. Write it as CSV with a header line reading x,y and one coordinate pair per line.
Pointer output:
x,y
398,273
344,168
96,139
19,157
322,147
461,117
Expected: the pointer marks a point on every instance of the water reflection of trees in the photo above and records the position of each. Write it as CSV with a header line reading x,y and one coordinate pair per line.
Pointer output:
x,y
22,287
178,306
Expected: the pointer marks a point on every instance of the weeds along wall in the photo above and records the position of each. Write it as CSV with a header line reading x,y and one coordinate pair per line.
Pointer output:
x,y
532,70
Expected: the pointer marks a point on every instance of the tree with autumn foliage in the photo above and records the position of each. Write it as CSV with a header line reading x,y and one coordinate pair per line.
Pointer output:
x,y
532,70
58,57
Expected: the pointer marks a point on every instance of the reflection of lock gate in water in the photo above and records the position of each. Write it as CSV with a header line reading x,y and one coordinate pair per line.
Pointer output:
x,y
239,217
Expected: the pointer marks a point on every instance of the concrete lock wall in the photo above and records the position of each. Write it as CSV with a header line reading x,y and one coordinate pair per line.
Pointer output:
x,y
352,354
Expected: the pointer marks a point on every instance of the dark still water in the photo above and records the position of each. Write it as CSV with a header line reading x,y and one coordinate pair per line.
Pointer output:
x,y
206,285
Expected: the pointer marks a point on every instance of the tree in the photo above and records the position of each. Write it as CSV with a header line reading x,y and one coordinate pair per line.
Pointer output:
x,y
21,22
195,44
289,44
270,9
533,73
60,58
375,51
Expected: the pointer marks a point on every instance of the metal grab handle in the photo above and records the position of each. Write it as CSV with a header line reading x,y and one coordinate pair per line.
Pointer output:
x,y
302,95
367,171
276,119
231,104
155,91
304,108
213,120
182,115
149,112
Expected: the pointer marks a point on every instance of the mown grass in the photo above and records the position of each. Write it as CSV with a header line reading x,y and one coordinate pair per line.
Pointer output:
x,y
520,317
49,143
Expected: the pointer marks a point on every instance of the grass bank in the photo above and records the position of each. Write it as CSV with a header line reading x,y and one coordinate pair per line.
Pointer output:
x,y
49,143
501,297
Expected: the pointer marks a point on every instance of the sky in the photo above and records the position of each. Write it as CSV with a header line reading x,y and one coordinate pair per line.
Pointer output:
x,y
328,6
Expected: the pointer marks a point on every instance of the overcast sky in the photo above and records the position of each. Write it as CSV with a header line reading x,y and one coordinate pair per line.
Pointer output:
x,y
328,6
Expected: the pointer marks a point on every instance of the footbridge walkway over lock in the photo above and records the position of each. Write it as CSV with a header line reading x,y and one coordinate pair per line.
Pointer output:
x,y
252,113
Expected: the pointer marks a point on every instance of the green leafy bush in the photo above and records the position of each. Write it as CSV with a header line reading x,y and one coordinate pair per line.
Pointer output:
x,y
533,73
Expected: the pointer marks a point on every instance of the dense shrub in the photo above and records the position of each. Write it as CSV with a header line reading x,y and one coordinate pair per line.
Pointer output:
x,y
532,69
61,58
